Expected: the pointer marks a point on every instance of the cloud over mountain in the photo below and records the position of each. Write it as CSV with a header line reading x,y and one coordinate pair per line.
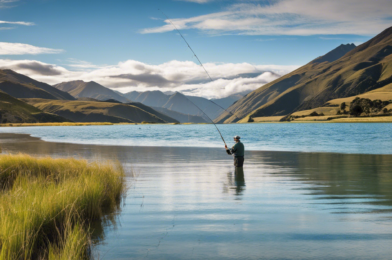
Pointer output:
x,y
183,76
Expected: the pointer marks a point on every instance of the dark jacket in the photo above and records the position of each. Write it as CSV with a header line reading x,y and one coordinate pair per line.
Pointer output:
x,y
238,150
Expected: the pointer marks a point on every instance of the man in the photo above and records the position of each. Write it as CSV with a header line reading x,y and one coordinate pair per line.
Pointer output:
x,y
238,151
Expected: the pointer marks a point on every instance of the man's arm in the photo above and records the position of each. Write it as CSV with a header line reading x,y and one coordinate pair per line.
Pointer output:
x,y
228,151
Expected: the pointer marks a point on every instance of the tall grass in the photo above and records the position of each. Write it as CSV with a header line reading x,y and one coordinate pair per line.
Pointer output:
x,y
47,205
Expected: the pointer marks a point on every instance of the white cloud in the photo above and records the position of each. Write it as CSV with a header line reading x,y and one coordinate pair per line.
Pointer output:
x,y
4,3
18,23
8,48
291,17
81,64
183,76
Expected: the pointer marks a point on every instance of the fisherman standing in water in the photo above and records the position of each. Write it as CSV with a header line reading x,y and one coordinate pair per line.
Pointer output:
x,y
238,151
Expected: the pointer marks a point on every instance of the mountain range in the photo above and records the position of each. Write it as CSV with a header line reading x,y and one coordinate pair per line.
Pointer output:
x,y
183,104
25,100
343,72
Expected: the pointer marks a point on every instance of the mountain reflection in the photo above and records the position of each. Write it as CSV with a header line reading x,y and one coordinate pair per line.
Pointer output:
x,y
343,180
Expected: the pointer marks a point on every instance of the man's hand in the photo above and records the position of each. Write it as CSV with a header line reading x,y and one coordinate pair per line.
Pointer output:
x,y
226,146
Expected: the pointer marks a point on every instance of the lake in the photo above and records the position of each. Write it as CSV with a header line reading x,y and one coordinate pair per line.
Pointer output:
x,y
190,202
364,138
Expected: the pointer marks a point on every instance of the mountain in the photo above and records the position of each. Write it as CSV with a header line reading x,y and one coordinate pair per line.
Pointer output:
x,y
149,98
24,86
18,90
13,110
209,107
81,89
228,101
180,117
98,111
335,54
155,111
182,104
179,103
365,68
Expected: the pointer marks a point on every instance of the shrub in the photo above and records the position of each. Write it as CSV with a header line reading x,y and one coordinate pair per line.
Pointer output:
x,y
314,113
356,110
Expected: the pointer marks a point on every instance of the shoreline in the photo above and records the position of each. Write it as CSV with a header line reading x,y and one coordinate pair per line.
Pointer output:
x,y
261,120
17,138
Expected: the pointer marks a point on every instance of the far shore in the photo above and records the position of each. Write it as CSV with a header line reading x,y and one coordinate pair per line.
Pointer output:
x,y
325,119
257,120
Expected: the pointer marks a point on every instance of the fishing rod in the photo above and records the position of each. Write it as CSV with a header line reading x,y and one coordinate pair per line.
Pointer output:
x,y
201,64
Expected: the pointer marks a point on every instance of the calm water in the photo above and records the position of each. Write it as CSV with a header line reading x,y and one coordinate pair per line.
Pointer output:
x,y
318,137
190,203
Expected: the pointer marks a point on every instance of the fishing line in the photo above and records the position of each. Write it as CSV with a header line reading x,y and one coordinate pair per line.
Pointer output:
x,y
208,118
201,64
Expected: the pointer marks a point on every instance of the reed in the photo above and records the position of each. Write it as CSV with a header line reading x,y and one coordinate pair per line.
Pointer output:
x,y
47,205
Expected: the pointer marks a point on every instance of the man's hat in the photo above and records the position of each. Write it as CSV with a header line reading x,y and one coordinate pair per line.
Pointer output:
x,y
237,137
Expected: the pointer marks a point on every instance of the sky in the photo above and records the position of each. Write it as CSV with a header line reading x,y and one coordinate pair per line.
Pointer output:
x,y
130,45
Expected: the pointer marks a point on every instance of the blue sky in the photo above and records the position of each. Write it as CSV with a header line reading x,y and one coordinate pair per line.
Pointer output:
x,y
80,39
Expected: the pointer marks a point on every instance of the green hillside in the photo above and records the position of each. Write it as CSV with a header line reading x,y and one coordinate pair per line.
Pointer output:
x,y
97,111
19,90
13,110
363,69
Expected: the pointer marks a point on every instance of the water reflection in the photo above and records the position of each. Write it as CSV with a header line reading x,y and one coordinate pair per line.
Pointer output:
x,y
235,182
291,205
349,183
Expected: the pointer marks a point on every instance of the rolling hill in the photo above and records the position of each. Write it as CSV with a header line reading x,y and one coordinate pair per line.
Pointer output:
x,y
21,86
364,68
98,111
13,110
81,89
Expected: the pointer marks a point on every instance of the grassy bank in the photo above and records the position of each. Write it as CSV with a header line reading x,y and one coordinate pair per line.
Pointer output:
x,y
53,124
47,205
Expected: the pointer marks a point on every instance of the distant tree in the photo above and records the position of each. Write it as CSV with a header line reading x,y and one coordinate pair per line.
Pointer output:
x,y
385,110
356,110
343,106
314,113
250,120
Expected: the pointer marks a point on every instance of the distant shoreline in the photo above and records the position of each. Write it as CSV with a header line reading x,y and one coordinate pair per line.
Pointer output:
x,y
258,120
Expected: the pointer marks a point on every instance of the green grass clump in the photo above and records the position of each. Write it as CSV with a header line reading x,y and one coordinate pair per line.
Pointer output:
x,y
47,205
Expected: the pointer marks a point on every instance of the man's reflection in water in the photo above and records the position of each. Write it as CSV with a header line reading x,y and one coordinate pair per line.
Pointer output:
x,y
236,182
239,180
